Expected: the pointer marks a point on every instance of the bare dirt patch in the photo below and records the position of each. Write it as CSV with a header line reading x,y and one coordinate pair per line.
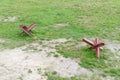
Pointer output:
x,y
33,61
60,25
113,46
8,19
24,62
2,40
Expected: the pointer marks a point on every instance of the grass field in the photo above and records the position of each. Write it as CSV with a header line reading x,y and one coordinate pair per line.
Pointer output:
x,y
70,19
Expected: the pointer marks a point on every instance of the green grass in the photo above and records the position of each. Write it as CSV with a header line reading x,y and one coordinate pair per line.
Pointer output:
x,y
85,18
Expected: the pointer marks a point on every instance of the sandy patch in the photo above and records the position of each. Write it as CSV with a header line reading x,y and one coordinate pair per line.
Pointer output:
x,y
60,25
114,47
108,78
8,19
2,40
23,63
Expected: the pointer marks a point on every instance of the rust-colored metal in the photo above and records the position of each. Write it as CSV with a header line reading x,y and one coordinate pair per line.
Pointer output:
x,y
95,45
97,48
88,41
27,30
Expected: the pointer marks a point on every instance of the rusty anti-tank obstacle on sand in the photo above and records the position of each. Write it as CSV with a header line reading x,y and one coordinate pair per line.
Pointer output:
x,y
95,45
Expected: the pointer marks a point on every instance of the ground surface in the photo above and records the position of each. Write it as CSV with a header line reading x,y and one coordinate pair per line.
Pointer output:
x,y
56,42
25,62
34,60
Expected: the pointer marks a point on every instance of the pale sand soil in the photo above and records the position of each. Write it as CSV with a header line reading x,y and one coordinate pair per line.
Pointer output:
x,y
61,25
8,19
22,63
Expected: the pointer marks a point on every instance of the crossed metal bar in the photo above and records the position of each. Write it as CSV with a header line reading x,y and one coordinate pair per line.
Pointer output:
x,y
95,45
27,30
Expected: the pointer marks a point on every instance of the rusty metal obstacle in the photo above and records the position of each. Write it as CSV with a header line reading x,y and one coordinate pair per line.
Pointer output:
x,y
27,30
95,45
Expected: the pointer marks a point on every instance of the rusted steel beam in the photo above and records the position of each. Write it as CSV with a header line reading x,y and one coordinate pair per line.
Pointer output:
x,y
97,48
88,41
97,45
31,27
